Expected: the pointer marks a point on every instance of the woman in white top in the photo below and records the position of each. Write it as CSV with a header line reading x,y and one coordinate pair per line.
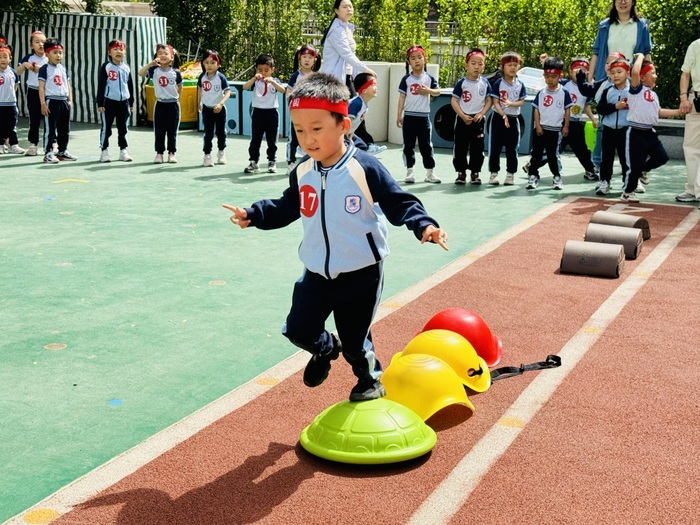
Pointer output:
x,y
339,58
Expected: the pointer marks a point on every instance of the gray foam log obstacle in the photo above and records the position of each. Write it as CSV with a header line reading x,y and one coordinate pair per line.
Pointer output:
x,y
622,219
629,238
592,258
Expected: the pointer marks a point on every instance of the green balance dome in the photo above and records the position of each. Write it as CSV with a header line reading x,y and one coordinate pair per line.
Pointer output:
x,y
368,432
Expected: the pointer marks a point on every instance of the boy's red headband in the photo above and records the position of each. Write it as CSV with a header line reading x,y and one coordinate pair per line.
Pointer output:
x,y
49,47
214,56
5,49
555,71
646,69
620,63
583,64
307,51
510,58
471,54
116,45
414,49
319,103
371,82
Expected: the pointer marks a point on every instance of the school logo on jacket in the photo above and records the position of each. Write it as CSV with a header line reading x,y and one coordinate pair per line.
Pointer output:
x,y
352,203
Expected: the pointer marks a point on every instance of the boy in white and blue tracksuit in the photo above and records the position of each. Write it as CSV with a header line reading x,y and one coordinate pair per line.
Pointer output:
x,y
552,112
115,96
213,90
342,207
55,97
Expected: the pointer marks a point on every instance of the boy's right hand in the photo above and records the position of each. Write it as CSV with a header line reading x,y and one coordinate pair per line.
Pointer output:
x,y
239,215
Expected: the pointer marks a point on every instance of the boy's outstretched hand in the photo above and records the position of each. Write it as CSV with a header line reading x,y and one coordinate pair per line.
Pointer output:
x,y
239,216
436,235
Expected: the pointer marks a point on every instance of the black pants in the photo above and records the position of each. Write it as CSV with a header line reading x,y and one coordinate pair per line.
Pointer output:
x,y
265,122
119,111
645,152
362,132
35,116
57,125
8,124
352,298
214,123
576,140
614,141
166,122
417,128
469,139
501,137
547,143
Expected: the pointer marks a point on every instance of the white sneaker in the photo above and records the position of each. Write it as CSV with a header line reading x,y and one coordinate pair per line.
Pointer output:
x,y
603,188
532,182
640,188
172,159
207,161
221,157
16,150
373,149
429,177
31,151
687,197
629,197
557,184
252,167
51,158
66,155
644,179
290,167
124,156
509,179
271,167
158,159
493,179
410,179
6,146
104,156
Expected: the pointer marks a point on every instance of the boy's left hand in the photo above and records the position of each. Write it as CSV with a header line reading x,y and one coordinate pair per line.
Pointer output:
x,y
436,235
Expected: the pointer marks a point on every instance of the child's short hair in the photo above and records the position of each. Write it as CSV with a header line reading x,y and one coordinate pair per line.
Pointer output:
x,y
472,52
324,88
553,65
52,43
213,54
307,49
361,79
264,60
510,56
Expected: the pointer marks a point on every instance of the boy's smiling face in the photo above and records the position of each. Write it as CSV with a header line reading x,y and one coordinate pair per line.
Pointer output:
x,y
320,134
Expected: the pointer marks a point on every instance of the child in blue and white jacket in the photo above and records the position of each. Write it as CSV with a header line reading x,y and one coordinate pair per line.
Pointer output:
x,y
9,84
115,99
342,196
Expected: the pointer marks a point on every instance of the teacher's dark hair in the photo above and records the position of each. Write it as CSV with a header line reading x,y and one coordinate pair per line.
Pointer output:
x,y
615,18
336,5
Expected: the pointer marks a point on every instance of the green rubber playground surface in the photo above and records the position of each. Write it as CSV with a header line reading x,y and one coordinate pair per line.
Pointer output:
x,y
128,300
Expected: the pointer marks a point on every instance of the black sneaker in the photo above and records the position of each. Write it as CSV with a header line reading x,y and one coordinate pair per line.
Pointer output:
x,y
317,368
461,178
366,390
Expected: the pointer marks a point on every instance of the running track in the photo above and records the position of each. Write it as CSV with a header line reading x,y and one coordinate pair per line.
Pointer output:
x,y
610,437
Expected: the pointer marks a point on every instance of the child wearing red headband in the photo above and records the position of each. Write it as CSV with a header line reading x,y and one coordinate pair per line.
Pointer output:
x,y
167,86
552,111
56,97
645,151
342,196
31,63
212,93
413,114
115,99
612,108
9,84
366,88
471,100
508,94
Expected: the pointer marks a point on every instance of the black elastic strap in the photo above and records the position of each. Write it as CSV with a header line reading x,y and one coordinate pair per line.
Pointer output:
x,y
552,361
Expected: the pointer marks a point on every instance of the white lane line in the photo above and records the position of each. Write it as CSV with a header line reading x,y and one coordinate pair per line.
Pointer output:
x,y
106,475
454,490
